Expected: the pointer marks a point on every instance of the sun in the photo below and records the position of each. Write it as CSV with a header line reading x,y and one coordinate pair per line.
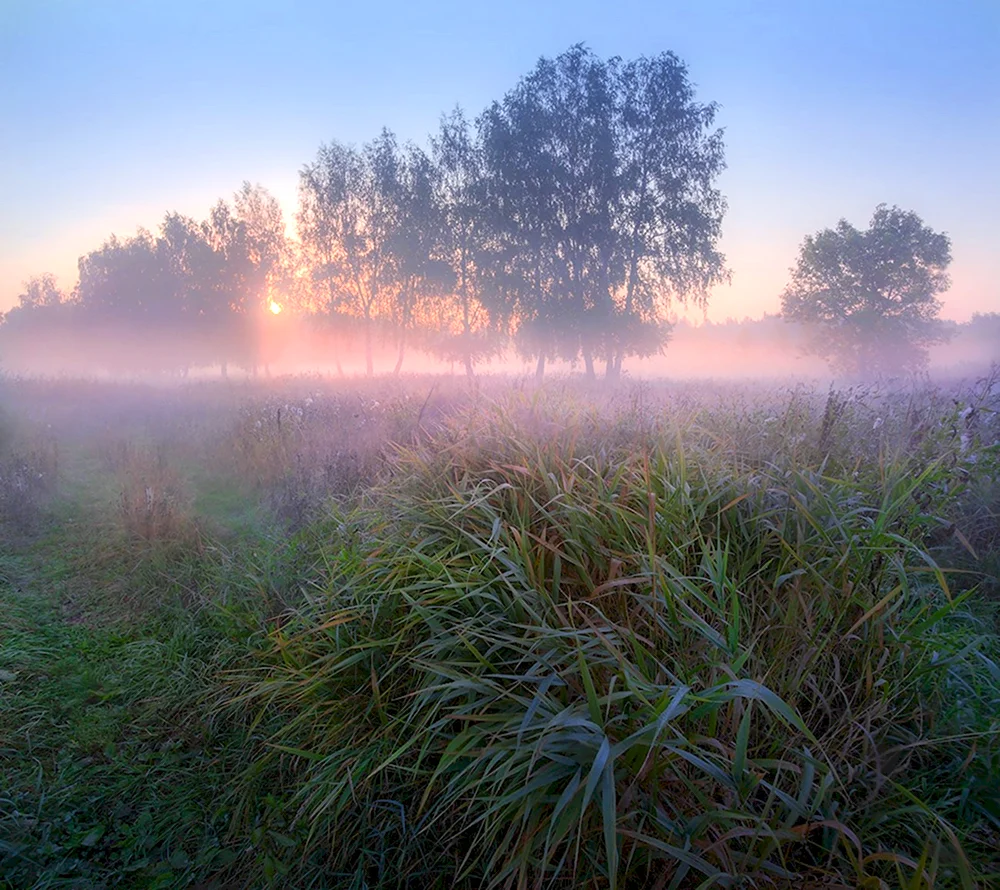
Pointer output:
x,y
274,307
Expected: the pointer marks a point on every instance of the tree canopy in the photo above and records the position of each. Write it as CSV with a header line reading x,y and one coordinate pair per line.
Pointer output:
x,y
566,219
871,297
600,193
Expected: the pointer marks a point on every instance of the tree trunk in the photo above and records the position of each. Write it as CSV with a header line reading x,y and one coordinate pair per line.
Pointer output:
x,y
399,359
336,348
225,371
588,363
336,357
540,368
466,323
369,364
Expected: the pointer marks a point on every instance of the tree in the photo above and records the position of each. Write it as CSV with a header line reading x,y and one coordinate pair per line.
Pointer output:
x,y
40,290
369,223
417,245
600,190
669,212
325,218
267,246
126,280
40,326
346,218
545,159
870,297
463,329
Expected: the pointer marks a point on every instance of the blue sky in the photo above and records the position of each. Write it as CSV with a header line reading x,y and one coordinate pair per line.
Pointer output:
x,y
112,113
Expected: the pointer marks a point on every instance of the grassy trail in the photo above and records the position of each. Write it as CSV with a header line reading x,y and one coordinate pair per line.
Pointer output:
x,y
104,782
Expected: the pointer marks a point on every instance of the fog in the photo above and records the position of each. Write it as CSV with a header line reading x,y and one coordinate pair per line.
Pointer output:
x,y
768,349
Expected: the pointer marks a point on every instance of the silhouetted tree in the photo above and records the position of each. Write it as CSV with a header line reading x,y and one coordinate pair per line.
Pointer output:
x,y
267,248
417,245
523,153
346,221
369,222
599,188
39,326
325,219
127,280
40,290
870,297
463,329
668,212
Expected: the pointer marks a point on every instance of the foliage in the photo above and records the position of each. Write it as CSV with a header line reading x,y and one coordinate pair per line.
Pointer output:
x,y
599,187
656,635
574,213
872,295
189,295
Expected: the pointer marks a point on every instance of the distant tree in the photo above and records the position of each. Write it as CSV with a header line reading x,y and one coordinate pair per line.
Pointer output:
x,y
423,274
200,292
128,280
464,330
246,239
368,222
40,290
325,218
268,251
668,211
547,160
599,186
985,327
870,297
38,326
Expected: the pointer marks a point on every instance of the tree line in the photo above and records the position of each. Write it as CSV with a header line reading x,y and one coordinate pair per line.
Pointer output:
x,y
566,220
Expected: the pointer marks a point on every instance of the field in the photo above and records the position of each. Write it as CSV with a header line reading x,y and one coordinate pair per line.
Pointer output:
x,y
388,634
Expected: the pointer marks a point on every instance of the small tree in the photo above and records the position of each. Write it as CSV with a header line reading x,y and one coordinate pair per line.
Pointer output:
x,y
870,298
41,290
349,223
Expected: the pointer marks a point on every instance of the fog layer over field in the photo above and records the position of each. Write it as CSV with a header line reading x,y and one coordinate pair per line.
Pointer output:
x,y
770,349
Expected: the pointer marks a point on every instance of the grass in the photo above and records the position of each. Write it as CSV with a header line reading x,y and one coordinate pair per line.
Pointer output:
x,y
638,638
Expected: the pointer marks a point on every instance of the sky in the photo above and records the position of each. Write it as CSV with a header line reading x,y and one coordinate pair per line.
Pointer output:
x,y
113,113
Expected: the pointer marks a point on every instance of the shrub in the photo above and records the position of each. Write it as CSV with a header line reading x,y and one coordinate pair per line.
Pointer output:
x,y
530,661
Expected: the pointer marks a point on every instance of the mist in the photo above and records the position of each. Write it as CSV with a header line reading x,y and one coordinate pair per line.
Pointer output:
x,y
767,350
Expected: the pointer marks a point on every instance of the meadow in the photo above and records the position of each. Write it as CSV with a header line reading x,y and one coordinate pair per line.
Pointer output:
x,y
415,633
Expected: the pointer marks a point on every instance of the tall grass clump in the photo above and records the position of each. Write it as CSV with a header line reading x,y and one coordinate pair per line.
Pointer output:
x,y
298,451
153,503
546,655
29,464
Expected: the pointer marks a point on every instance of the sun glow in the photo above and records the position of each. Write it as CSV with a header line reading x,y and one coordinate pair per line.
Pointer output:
x,y
274,307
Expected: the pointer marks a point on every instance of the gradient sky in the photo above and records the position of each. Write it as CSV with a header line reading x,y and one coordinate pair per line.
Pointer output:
x,y
112,113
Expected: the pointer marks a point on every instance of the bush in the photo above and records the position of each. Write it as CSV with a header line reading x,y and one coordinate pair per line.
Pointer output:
x,y
545,664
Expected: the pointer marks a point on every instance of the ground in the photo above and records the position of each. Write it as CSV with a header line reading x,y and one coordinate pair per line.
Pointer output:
x,y
286,634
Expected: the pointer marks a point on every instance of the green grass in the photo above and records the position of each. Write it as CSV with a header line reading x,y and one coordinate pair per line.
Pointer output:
x,y
111,774
557,643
